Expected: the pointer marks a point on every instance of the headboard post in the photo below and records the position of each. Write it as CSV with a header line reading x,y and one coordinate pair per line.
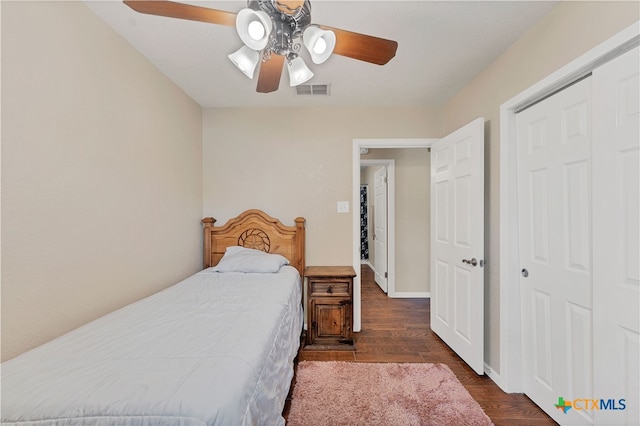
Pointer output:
x,y
208,227
300,232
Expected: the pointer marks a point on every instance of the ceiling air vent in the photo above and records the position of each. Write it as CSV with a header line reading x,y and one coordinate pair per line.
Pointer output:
x,y
313,89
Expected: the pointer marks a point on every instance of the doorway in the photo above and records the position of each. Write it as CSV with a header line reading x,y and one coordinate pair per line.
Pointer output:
x,y
359,144
379,176
458,165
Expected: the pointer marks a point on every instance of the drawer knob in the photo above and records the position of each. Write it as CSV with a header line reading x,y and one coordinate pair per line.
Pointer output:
x,y
330,289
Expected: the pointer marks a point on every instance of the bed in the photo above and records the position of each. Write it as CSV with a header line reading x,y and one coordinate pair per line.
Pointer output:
x,y
214,349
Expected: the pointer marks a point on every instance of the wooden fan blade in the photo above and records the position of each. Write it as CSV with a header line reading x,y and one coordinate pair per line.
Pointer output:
x,y
270,73
182,11
363,47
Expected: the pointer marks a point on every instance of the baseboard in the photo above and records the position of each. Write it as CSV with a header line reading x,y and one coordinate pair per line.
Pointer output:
x,y
366,262
410,295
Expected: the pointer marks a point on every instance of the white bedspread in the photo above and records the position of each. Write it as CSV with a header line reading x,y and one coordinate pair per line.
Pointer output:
x,y
213,349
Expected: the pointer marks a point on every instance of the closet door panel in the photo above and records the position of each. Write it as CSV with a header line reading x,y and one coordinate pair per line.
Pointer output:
x,y
554,188
616,218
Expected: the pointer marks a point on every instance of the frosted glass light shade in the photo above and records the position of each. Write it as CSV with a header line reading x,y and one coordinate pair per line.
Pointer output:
x,y
299,72
320,43
246,60
254,27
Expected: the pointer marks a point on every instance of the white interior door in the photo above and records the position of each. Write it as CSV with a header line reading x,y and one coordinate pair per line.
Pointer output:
x,y
616,271
380,227
457,242
554,193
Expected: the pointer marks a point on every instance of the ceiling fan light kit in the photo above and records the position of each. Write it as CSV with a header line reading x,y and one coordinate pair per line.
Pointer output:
x,y
276,28
274,31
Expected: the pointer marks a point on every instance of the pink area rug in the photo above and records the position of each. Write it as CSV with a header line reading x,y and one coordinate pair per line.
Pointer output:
x,y
389,394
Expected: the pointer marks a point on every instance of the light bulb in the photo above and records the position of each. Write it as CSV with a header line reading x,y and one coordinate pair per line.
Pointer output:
x,y
256,30
320,46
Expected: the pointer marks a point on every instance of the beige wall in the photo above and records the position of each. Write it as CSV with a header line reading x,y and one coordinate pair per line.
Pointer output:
x,y
297,162
101,162
101,173
412,216
569,30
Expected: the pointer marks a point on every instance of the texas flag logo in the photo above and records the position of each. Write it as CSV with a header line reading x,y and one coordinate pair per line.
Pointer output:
x,y
563,405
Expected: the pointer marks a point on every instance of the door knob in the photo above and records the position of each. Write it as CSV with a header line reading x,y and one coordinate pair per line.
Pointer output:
x,y
472,262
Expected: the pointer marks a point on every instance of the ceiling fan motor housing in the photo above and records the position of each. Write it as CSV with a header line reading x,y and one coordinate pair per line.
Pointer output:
x,y
287,27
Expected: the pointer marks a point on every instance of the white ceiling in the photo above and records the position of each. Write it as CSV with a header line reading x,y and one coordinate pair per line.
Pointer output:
x,y
442,45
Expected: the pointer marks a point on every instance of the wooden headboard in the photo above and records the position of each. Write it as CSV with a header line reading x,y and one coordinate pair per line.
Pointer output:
x,y
257,230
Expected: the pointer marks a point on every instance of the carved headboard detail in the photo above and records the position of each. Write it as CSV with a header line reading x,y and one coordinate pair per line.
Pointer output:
x,y
255,229
255,239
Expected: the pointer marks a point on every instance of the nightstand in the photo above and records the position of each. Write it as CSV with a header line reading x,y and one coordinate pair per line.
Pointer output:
x,y
329,307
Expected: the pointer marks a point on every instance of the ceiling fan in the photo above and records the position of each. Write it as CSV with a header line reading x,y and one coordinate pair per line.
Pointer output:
x,y
274,31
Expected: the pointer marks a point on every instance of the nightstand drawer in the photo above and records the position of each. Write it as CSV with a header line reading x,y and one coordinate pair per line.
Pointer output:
x,y
330,287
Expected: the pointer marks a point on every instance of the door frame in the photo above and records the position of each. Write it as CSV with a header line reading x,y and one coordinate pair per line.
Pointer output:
x,y
510,378
390,165
355,156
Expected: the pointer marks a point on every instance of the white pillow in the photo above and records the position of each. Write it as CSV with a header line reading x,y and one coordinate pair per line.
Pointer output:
x,y
241,259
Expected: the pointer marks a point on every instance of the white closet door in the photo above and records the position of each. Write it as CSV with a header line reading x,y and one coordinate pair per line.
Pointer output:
x,y
616,270
554,186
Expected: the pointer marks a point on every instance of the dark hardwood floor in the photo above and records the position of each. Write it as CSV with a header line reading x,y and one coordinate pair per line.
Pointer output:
x,y
397,330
